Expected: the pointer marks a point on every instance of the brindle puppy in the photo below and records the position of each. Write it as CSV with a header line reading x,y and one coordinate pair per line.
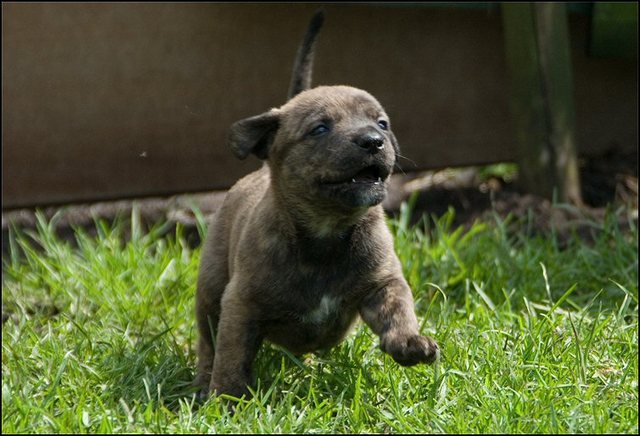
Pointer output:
x,y
300,247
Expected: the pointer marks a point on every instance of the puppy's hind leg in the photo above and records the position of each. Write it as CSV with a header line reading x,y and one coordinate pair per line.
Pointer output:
x,y
213,278
238,341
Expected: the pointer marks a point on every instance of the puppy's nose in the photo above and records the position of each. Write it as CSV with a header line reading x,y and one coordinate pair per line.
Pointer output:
x,y
371,141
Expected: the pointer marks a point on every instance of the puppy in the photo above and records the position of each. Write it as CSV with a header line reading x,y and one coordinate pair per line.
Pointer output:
x,y
300,247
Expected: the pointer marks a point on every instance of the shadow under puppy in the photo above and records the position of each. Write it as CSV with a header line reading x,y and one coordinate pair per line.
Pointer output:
x,y
300,247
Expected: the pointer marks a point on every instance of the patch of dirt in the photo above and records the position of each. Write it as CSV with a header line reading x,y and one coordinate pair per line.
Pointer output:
x,y
610,180
607,181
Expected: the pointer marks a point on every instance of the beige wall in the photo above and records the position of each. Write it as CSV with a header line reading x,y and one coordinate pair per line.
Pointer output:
x,y
118,100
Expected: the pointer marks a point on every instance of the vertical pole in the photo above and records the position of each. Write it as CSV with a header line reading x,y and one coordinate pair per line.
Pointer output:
x,y
541,98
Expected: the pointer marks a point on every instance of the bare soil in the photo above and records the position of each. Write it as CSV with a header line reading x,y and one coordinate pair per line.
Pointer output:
x,y
608,181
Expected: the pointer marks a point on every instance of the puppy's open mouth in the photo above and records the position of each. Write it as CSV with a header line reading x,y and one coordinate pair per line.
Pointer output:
x,y
371,175
364,187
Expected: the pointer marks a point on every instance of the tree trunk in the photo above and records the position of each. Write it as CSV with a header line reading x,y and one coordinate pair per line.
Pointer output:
x,y
538,59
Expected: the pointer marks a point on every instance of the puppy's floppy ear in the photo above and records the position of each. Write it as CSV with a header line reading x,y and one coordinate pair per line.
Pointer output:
x,y
254,135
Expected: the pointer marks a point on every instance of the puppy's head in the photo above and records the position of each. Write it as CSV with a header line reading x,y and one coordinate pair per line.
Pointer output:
x,y
331,145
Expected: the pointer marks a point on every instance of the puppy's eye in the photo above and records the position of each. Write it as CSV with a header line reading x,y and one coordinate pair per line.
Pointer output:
x,y
384,124
319,130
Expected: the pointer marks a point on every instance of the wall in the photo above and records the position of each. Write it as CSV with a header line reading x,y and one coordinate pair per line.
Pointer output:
x,y
112,100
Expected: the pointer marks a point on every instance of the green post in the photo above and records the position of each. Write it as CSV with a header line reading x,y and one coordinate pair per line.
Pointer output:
x,y
541,98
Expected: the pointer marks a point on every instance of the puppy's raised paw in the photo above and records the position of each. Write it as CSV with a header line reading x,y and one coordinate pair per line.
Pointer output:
x,y
411,349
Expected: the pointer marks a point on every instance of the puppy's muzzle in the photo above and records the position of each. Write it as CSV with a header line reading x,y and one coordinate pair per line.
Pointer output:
x,y
371,141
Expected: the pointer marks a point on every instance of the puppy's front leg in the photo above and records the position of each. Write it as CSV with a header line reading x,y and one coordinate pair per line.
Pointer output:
x,y
237,343
390,314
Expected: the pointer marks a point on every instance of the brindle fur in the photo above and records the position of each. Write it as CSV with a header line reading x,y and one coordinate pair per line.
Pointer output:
x,y
293,258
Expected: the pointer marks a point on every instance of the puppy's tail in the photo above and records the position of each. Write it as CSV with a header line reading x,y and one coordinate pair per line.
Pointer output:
x,y
303,66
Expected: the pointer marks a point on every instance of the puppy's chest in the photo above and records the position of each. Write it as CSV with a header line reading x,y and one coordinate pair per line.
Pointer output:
x,y
324,312
317,294
317,299
311,319
324,281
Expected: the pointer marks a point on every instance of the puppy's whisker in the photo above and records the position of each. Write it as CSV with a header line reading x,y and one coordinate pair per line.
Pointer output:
x,y
399,168
397,165
406,158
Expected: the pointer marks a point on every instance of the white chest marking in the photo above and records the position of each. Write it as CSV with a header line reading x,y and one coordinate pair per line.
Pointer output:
x,y
327,306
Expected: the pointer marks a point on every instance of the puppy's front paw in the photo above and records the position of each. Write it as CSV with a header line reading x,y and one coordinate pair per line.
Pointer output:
x,y
409,350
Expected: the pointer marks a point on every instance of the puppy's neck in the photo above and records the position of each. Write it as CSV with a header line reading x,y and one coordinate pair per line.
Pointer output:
x,y
315,220
327,226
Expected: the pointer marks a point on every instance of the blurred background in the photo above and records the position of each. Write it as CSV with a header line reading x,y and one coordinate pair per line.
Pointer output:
x,y
110,101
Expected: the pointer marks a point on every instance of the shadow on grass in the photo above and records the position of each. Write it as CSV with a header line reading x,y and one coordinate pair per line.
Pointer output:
x,y
162,373
155,371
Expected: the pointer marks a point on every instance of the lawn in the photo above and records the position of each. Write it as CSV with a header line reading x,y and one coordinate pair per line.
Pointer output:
x,y
536,336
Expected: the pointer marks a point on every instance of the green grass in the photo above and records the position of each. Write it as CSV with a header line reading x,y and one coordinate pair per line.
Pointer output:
x,y
535,338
